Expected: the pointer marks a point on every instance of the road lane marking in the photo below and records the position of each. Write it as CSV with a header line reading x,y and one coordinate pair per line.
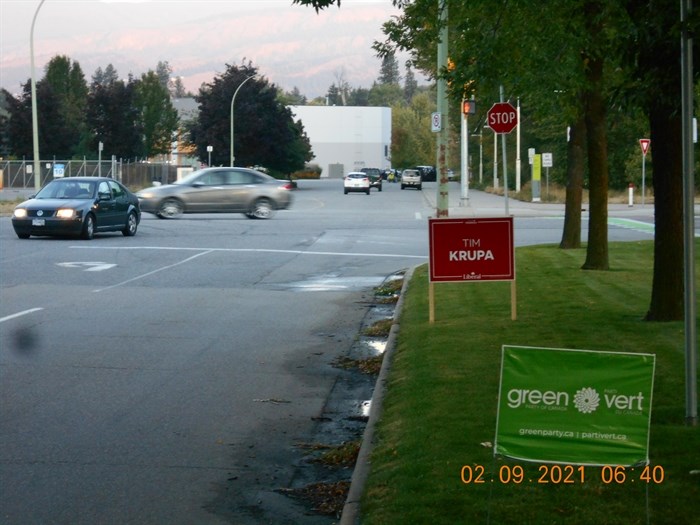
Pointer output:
x,y
88,266
254,250
152,272
19,314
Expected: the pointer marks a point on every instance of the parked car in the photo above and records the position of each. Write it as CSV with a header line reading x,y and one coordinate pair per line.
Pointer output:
x,y
356,181
375,177
78,206
412,179
428,173
219,190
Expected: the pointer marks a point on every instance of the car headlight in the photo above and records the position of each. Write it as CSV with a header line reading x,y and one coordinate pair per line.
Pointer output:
x,y
65,213
20,213
144,195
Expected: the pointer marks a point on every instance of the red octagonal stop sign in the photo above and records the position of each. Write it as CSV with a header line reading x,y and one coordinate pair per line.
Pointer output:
x,y
502,117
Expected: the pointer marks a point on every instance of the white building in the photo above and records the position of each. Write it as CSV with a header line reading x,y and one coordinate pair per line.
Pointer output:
x,y
347,138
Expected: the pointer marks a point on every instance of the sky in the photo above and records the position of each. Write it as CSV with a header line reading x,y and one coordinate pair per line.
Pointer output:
x,y
291,45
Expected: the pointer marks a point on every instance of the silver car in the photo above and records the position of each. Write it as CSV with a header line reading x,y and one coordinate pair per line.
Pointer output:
x,y
219,190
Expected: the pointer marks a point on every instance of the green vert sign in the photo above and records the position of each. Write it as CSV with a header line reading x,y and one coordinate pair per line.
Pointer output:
x,y
578,407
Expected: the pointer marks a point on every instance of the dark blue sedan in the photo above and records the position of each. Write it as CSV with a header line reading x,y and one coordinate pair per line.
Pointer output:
x,y
78,206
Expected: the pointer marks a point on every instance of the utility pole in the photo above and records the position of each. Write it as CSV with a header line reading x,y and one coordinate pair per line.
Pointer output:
x,y
442,136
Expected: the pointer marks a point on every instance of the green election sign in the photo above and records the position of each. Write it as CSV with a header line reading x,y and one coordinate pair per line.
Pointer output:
x,y
579,407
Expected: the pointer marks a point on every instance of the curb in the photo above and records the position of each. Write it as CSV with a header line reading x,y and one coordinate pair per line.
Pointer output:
x,y
351,509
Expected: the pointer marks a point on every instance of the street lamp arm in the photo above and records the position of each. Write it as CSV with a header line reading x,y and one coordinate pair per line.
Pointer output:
x,y
233,100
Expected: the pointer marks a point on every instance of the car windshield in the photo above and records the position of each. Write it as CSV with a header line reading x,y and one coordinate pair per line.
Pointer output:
x,y
67,189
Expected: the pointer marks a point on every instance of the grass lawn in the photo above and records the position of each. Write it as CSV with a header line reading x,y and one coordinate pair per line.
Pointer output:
x,y
439,412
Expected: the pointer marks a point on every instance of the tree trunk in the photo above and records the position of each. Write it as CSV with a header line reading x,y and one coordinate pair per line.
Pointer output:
x,y
571,236
597,146
667,287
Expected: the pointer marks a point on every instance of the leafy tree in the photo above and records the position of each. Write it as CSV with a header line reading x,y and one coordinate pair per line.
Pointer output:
x,y
179,90
358,97
113,117
412,142
164,73
292,98
385,95
265,133
66,90
158,116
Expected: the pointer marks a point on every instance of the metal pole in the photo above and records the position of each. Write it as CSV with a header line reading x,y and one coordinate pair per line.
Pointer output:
x,y
505,166
442,187
691,347
517,151
233,99
35,119
464,180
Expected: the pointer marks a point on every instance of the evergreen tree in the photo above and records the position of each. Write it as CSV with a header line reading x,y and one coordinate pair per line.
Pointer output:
x,y
389,72
158,116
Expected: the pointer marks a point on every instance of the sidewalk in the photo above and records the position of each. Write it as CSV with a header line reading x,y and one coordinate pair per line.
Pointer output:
x,y
482,204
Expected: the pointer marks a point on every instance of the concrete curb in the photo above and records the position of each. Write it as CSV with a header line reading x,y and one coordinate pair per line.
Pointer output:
x,y
351,509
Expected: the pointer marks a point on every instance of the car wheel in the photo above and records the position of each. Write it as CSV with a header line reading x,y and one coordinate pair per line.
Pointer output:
x,y
380,187
262,209
132,225
403,187
23,235
367,191
419,188
88,227
170,209
346,192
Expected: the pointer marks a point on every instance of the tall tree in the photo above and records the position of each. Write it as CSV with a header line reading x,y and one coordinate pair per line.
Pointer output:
x,y
159,117
410,84
65,86
389,72
265,133
113,117
654,52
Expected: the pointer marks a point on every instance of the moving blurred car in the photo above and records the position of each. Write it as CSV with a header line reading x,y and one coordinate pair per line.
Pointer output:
x,y
412,179
356,181
219,190
375,177
78,206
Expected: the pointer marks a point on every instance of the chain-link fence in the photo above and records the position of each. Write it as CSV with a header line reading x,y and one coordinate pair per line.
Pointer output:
x,y
17,174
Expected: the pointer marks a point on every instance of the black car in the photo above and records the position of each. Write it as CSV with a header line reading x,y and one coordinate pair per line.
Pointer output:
x,y
375,177
428,173
78,206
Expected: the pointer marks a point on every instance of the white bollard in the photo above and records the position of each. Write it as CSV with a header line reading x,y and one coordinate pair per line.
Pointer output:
x,y
631,195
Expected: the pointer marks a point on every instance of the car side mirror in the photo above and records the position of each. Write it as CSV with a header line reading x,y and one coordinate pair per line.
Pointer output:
x,y
104,196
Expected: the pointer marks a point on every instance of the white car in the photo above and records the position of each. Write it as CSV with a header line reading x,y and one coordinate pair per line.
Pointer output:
x,y
356,181
411,178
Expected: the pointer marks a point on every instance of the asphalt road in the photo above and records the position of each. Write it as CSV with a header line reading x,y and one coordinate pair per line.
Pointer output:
x,y
166,377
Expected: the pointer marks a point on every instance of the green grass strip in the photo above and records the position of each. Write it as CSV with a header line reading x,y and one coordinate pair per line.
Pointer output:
x,y
440,406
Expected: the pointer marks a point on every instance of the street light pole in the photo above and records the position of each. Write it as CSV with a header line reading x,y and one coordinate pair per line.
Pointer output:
x,y
35,120
233,99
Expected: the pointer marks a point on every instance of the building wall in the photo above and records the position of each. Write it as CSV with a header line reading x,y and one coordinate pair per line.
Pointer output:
x,y
356,137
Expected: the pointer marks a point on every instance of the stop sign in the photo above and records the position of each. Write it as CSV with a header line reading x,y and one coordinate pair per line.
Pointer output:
x,y
502,117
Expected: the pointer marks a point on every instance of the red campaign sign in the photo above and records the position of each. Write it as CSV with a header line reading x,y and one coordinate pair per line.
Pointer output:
x,y
471,249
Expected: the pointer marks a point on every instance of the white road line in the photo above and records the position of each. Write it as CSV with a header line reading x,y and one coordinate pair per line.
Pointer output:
x,y
152,272
253,250
19,314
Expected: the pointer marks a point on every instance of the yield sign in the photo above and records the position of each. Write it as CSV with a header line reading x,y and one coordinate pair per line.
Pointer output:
x,y
644,143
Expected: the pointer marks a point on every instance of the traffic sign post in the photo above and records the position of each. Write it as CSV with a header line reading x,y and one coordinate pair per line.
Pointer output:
x,y
502,117
644,144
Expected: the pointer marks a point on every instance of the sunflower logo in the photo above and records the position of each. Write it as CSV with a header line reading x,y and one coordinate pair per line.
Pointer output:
x,y
586,400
